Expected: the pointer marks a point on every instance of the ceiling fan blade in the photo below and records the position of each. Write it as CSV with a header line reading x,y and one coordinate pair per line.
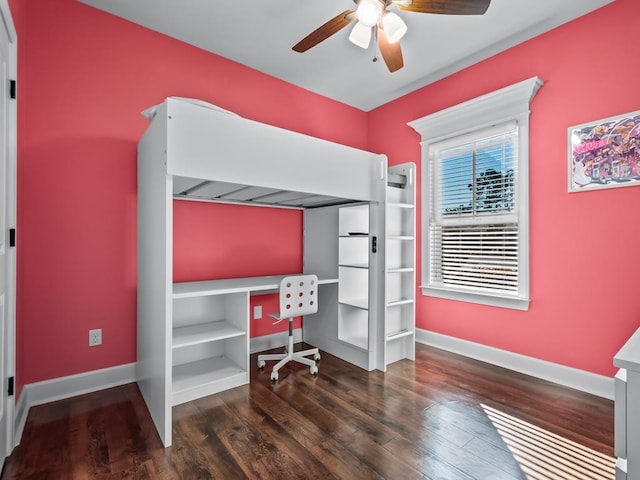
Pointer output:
x,y
447,7
391,52
324,31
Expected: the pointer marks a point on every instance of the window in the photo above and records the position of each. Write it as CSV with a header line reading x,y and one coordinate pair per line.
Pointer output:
x,y
473,219
475,212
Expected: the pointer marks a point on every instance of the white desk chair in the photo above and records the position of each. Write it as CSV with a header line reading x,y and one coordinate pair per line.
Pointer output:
x,y
298,296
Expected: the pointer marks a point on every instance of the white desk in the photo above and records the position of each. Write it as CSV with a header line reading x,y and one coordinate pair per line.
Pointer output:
x,y
210,333
253,285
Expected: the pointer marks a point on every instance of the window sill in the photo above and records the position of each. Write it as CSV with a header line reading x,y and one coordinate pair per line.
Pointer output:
x,y
515,303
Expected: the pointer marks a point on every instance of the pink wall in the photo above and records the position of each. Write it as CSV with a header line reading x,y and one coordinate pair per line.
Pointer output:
x,y
84,76
584,262
236,241
226,241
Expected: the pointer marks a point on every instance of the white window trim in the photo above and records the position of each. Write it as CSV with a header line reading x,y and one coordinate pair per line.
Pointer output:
x,y
507,104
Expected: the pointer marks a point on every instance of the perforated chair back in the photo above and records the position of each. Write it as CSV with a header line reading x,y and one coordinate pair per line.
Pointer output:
x,y
298,295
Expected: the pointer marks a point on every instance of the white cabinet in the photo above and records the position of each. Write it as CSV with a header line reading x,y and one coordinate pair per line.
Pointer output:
x,y
620,424
400,276
627,415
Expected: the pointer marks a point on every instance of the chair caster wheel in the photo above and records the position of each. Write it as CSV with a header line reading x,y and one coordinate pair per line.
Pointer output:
x,y
316,356
261,364
313,370
274,376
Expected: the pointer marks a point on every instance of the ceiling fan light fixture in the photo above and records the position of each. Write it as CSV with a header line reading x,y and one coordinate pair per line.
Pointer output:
x,y
393,26
369,12
360,35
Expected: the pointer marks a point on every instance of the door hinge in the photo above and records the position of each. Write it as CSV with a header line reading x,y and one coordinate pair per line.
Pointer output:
x,y
10,389
12,237
12,89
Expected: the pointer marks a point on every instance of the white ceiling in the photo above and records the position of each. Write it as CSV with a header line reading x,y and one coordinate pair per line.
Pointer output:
x,y
260,34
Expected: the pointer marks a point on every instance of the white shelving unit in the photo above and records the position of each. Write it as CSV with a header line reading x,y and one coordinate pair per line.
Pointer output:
x,y
400,278
353,274
337,241
210,343
373,324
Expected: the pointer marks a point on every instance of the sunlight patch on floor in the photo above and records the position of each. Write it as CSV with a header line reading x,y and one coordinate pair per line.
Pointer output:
x,y
544,455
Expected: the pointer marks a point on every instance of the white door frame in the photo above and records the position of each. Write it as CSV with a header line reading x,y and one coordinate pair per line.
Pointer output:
x,y
8,31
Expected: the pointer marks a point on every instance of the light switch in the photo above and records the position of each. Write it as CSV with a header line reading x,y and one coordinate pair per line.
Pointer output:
x,y
257,312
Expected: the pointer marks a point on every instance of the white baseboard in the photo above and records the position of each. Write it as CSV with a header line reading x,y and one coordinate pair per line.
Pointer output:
x,y
20,418
65,387
584,381
275,340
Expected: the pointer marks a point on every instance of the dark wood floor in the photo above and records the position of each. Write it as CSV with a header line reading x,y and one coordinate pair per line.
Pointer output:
x,y
442,417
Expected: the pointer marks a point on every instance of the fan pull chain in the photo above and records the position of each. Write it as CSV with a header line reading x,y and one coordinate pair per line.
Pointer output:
x,y
375,44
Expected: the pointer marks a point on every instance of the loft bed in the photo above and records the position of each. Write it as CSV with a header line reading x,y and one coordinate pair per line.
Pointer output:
x,y
213,154
197,151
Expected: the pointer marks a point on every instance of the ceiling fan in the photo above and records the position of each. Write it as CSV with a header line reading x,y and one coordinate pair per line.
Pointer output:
x,y
375,19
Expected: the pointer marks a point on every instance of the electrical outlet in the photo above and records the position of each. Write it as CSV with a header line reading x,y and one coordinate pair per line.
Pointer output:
x,y
257,312
95,337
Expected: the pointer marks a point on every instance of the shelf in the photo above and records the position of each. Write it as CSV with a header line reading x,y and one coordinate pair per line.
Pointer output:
x,y
400,270
360,341
400,205
355,235
403,301
398,335
204,332
354,265
361,303
205,377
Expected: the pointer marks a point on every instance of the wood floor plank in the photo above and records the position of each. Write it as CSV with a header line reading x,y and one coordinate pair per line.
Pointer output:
x,y
356,417
442,417
385,403
301,464
199,455
332,424
305,431
431,466
302,428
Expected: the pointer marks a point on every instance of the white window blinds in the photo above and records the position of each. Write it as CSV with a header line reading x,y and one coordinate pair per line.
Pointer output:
x,y
476,256
473,224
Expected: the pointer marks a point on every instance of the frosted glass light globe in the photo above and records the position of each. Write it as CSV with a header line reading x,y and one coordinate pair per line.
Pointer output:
x,y
360,35
368,12
394,27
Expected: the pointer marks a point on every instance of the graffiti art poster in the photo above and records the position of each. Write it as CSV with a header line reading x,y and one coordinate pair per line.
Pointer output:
x,y
605,153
